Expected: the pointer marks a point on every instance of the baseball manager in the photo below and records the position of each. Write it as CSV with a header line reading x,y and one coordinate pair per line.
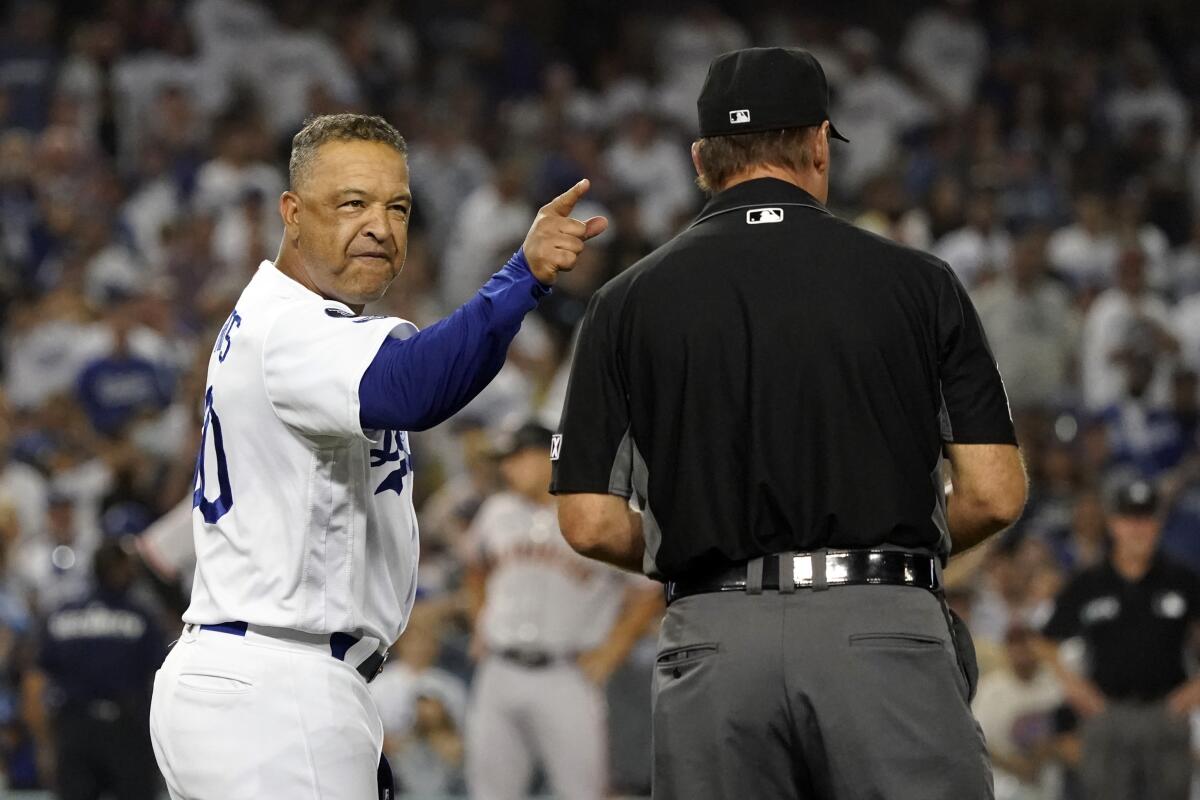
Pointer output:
x,y
306,540
778,391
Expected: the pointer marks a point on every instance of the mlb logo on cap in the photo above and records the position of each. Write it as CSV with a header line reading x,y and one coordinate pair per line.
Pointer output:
x,y
759,216
739,116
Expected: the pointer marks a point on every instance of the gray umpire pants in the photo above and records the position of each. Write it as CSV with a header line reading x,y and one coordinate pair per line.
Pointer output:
x,y
849,693
1137,750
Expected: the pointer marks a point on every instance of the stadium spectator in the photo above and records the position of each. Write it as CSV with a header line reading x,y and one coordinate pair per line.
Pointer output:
x,y
423,709
877,105
947,50
88,700
1144,98
1125,321
1136,737
1085,252
980,249
54,567
1032,325
643,161
490,219
685,45
117,388
1015,707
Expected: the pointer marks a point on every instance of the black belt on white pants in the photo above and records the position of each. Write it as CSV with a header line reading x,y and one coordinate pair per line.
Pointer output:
x,y
336,645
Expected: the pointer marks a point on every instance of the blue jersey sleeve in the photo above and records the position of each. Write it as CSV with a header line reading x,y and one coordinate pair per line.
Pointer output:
x,y
415,383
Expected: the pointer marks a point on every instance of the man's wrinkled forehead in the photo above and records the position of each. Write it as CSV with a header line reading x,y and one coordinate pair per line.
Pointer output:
x,y
373,167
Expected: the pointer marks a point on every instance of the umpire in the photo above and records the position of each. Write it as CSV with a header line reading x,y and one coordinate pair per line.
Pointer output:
x,y
778,391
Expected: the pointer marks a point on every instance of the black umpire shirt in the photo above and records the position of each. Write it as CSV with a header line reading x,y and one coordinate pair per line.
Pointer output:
x,y
1136,634
776,379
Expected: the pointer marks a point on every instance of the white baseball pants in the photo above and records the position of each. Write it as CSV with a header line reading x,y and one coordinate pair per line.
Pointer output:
x,y
246,718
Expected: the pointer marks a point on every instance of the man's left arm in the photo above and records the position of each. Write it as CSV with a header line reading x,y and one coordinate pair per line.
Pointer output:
x,y
603,527
642,607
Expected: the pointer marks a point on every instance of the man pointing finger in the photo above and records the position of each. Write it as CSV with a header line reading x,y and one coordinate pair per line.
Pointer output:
x,y
302,514
555,238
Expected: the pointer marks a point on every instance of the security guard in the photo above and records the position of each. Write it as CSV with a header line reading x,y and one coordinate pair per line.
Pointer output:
x,y
776,389
1133,620
95,667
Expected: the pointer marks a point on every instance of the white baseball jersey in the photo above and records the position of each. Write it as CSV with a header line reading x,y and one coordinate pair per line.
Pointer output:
x,y
541,595
301,519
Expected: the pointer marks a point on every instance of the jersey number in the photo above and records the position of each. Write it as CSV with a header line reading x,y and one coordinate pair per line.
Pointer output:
x,y
212,510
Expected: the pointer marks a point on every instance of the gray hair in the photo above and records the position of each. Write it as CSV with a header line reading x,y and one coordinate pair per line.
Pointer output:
x,y
338,128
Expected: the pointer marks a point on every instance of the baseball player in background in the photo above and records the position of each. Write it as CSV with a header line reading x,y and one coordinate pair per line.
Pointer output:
x,y
550,627
305,534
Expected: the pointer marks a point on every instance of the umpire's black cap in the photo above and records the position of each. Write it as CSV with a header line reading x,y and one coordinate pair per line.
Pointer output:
x,y
1135,498
764,89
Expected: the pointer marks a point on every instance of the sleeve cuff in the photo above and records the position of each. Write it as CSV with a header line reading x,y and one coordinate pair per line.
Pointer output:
x,y
519,261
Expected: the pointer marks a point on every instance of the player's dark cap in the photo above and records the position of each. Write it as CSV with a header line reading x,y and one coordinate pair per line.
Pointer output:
x,y
528,435
764,89
1135,498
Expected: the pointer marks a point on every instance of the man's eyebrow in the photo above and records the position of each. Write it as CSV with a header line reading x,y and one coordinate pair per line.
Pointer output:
x,y
405,197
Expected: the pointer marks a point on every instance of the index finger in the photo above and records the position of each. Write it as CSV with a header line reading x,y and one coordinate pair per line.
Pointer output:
x,y
565,202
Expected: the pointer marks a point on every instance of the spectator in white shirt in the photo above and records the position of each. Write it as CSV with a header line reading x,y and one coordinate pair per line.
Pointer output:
x,y
981,247
1131,225
877,106
947,50
1145,97
645,161
1187,312
1184,271
1015,707
141,77
492,218
1127,316
237,174
445,168
688,42
1085,252
1032,326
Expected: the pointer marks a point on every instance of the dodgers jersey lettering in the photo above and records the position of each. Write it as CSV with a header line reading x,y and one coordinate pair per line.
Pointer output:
x,y
301,519
541,594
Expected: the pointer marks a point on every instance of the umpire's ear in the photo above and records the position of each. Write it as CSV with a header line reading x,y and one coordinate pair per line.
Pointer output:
x,y
289,209
820,148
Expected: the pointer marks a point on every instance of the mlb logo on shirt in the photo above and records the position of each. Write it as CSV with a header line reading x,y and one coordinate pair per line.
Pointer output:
x,y
760,216
555,446
739,116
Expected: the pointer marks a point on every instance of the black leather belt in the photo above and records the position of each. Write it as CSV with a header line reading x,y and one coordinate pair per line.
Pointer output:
x,y
842,568
532,659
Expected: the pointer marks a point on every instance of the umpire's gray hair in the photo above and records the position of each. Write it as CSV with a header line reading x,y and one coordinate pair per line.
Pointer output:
x,y
338,128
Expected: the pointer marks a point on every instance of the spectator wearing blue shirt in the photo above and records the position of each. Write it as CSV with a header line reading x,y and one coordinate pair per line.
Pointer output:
x,y
89,696
1145,440
118,388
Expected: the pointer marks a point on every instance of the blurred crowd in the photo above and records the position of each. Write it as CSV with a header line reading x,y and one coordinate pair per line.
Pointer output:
x,y
1052,158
